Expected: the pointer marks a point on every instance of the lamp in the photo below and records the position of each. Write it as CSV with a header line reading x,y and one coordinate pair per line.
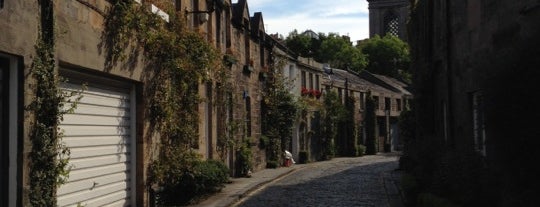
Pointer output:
x,y
211,7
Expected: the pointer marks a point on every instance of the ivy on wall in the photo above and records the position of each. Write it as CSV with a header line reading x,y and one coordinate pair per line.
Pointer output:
x,y
49,156
279,113
370,123
176,61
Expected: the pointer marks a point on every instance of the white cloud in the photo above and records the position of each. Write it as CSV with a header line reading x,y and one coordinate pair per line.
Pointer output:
x,y
346,17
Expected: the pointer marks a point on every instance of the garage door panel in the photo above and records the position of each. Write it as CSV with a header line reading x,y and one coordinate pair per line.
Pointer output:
x,y
100,90
98,134
113,199
98,161
96,130
88,184
98,151
78,119
91,99
87,109
85,196
95,141
97,171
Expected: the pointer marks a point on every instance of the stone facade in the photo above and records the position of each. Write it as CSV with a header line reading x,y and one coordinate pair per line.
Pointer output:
x,y
391,98
388,16
473,62
79,26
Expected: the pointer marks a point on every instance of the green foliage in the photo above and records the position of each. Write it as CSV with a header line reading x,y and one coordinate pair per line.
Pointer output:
x,y
49,157
303,157
332,48
272,164
176,60
244,159
186,178
347,130
370,124
339,52
388,55
333,112
279,112
264,141
300,44
361,150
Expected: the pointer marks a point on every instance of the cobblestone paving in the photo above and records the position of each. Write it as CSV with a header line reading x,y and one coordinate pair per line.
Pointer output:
x,y
339,182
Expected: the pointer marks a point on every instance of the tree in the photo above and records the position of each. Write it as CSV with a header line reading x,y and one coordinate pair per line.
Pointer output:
x,y
388,55
300,44
332,48
339,52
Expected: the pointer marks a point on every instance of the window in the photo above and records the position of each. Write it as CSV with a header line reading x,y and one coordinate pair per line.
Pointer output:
x,y
246,41
303,76
177,4
291,72
391,24
340,94
209,120
195,18
387,103
376,102
317,84
218,28
398,102
311,80
478,122
228,28
248,116
445,120
361,101
1,4
261,47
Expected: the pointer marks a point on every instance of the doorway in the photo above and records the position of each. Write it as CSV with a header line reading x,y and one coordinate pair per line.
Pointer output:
x,y
4,140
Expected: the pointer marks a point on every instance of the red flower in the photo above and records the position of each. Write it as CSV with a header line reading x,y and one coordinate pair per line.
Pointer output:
x,y
316,93
304,91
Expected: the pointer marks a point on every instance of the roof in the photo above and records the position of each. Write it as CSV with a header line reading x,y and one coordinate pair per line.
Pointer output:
x,y
403,87
339,76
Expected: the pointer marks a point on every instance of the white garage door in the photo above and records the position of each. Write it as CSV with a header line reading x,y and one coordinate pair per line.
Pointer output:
x,y
100,136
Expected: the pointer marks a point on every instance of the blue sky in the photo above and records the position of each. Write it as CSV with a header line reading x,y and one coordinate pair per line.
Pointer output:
x,y
346,17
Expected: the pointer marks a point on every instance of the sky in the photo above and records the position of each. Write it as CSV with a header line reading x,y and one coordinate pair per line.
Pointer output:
x,y
346,17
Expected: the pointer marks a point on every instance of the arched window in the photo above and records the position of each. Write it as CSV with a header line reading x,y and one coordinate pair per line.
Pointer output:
x,y
391,23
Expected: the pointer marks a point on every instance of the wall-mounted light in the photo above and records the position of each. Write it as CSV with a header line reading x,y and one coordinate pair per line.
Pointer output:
x,y
211,8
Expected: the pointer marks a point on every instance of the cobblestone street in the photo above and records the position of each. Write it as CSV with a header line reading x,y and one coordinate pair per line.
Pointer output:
x,y
364,181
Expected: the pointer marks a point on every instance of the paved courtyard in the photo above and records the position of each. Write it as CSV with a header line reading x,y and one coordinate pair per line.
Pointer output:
x,y
364,181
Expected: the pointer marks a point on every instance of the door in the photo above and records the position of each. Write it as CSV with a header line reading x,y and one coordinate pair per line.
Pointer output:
x,y
100,136
4,134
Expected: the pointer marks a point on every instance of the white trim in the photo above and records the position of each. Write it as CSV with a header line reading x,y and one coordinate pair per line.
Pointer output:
x,y
133,146
160,12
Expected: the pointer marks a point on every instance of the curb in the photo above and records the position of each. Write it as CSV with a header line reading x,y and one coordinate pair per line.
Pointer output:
x,y
259,187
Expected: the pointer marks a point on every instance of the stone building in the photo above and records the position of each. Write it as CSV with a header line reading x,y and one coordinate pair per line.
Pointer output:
x,y
388,16
391,98
474,62
110,133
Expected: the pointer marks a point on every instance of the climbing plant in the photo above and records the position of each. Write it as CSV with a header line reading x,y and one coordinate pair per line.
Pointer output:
x,y
332,113
370,124
176,60
279,112
49,157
